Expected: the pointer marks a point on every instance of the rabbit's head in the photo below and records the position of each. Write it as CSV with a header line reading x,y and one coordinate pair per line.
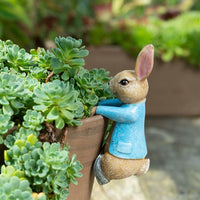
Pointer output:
x,y
131,86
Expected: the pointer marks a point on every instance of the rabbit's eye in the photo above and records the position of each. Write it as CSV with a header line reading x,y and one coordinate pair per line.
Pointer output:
x,y
124,82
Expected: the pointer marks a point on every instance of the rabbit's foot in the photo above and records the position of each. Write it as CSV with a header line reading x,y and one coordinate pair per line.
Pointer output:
x,y
101,179
144,167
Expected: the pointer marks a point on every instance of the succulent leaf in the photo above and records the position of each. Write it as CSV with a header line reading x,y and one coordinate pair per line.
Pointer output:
x,y
57,100
33,120
14,188
5,125
68,56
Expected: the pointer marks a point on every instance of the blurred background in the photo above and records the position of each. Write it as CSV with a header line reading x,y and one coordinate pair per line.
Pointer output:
x,y
115,31
171,25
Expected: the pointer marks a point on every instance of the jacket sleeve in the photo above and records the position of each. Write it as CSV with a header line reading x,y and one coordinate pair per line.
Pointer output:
x,y
118,114
110,102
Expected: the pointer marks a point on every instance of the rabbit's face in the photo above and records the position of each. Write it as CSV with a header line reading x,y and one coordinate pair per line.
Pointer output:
x,y
127,88
131,86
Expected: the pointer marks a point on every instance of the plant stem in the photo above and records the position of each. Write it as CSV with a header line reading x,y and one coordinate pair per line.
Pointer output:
x,y
49,77
64,139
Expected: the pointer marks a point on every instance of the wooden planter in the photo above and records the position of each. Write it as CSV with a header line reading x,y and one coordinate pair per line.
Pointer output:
x,y
84,141
174,86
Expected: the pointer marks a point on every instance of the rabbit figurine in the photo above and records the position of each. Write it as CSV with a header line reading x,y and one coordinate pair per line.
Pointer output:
x,y
125,151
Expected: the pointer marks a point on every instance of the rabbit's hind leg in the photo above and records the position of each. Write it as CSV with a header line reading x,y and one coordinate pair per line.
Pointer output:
x,y
117,168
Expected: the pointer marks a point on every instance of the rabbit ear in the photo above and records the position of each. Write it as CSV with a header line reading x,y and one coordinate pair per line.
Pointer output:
x,y
144,62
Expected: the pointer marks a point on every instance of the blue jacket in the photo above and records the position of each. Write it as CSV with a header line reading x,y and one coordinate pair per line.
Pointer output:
x,y
128,137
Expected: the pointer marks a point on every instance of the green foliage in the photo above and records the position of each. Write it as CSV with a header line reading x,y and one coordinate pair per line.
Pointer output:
x,y
93,87
7,8
46,167
174,38
36,89
11,171
19,147
177,37
13,188
10,22
17,59
129,24
33,120
34,22
58,102
14,56
42,57
194,46
5,125
11,93
62,170
17,186
68,57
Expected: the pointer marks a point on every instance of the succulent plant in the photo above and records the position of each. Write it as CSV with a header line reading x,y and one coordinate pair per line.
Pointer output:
x,y
11,93
93,87
21,134
4,52
62,169
30,83
13,188
14,185
18,58
18,147
5,125
42,57
37,90
11,171
86,80
46,167
42,63
33,120
68,56
58,102
34,168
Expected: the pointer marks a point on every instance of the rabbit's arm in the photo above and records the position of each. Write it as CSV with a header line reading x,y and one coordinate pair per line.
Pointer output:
x,y
110,102
118,114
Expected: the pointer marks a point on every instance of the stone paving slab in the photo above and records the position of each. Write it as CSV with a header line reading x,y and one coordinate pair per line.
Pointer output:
x,y
174,151
128,189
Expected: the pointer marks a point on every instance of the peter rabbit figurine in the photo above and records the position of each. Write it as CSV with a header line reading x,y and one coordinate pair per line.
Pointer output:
x,y
125,151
